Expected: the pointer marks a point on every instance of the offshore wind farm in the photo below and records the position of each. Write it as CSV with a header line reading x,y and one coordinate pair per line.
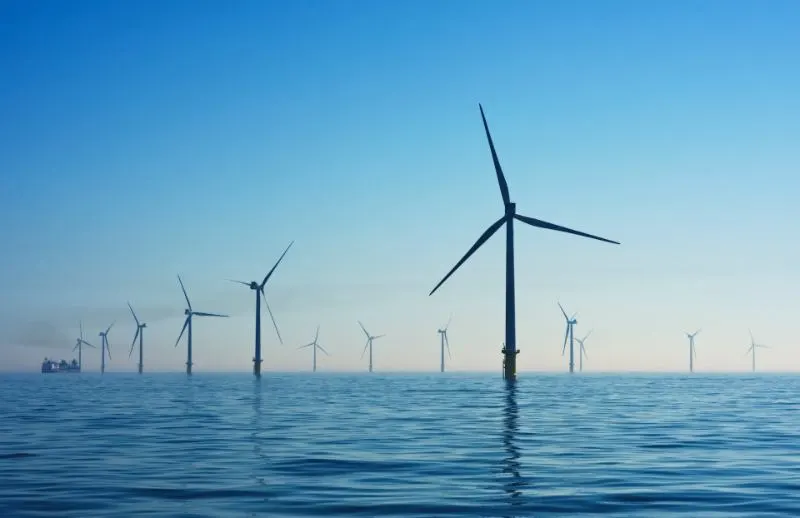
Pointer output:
x,y
165,163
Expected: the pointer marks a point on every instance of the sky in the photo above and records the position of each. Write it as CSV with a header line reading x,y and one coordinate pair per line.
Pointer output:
x,y
141,140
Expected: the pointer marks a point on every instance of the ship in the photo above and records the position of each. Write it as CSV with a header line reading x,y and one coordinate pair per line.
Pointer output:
x,y
49,366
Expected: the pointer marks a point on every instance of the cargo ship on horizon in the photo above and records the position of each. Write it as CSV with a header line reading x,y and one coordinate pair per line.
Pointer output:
x,y
50,366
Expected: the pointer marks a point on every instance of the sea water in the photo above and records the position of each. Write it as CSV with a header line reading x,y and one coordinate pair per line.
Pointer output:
x,y
83,445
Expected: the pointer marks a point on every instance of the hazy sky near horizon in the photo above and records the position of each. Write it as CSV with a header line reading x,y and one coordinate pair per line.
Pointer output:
x,y
139,140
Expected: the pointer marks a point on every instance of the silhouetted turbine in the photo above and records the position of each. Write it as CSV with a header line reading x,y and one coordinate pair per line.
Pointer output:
x,y
105,348
259,289
78,345
315,346
692,350
370,338
139,334
583,348
445,342
189,312
753,347
510,348
571,322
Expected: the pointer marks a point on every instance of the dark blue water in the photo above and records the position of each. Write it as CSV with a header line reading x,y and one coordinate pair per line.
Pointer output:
x,y
399,445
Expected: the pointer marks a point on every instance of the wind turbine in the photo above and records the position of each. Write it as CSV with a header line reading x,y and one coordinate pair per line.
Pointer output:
x,y
189,312
753,346
259,289
445,342
583,349
79,343
692,350
569,334
370,338
139,333
314,345
105,347
510,348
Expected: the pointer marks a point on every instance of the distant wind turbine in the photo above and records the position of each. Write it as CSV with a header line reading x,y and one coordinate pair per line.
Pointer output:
x,y
583,348
139,333
314,345
259,289
105,348
692,350
189,312
571,322
510,348
370,339
752,349
79,343
445,342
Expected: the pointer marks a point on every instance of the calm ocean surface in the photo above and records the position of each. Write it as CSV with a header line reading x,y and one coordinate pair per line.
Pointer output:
x,y
399,445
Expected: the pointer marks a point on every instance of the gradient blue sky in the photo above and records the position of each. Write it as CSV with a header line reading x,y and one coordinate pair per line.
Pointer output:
x,y
143,139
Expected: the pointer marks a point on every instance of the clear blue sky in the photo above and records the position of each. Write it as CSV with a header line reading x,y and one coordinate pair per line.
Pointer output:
x,y
143,139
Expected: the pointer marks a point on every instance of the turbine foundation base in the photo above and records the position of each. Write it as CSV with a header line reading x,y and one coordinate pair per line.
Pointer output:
x,y
509,364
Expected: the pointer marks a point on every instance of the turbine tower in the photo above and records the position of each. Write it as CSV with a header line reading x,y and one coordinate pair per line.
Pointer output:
x,y
753,347
370,338
692,350
259,289
314,345
139,333
189,312
569,334
79,343
105,348
445,342
582,348
510,348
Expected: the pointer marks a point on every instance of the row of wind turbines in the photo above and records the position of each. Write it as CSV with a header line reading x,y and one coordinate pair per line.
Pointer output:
x,y
751,350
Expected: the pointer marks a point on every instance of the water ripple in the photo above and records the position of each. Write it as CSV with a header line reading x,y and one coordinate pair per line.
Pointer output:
x,y
399,445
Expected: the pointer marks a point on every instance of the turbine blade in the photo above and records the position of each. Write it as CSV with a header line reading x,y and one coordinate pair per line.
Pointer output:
x,y
307,345
189,304
322,349
266,278
752,340
80,324
316,336
566,335
481,240
365,348
76,346
450,319
447,343
109,328
748,350
201,314
376,337
108,348
239,282
583,351
185,323
698,332
562,311
84,342
133,343
544,224
501,179
363,328
269,310
134,314
587,335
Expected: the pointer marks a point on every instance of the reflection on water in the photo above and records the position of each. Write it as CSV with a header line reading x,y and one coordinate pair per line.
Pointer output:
x,y
511,465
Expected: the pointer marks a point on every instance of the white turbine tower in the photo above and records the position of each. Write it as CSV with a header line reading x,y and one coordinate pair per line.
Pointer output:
x,y
370,339
445,342
571,322
692,350
753,347
315,346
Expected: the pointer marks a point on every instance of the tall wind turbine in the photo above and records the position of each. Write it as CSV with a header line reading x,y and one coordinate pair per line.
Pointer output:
x,y
370,339
189,312
79,343
445,342
583,348
510,348
259,289
692,350
753,347
314,345
139,333
105,348
571,322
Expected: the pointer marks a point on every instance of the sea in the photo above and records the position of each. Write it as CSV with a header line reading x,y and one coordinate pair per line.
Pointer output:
x,y
400,445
